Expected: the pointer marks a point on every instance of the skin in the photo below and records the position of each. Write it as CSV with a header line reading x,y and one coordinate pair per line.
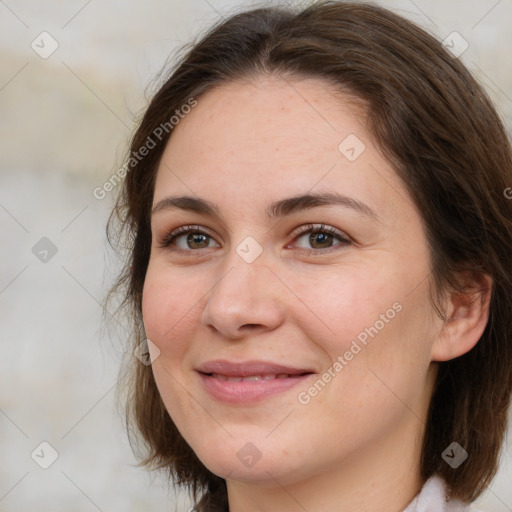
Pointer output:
x,y
356,445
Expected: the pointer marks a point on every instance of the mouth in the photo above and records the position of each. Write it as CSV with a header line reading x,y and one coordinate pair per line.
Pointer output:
x,y
249,382
250,369
253,378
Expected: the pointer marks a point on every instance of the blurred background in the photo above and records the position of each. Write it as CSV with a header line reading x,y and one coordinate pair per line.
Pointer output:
x,y
73,78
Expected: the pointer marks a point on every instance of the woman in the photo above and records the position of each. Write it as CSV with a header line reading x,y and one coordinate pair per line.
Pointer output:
x,y
319,267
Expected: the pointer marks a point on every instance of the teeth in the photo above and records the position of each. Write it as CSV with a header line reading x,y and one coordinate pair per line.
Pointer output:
x,y
250,378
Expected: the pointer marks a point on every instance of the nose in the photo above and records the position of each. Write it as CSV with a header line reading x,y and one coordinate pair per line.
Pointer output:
x,y
246,299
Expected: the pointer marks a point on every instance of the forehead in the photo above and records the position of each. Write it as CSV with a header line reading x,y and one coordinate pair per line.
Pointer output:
x,y
273,137
241,116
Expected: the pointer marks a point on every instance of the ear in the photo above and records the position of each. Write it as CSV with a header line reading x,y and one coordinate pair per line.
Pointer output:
x,y
466,317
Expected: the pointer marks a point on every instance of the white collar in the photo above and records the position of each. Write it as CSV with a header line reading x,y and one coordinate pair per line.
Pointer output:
x,y
433,498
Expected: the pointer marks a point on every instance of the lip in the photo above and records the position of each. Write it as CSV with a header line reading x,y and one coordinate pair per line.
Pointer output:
x,y
248,368
245,392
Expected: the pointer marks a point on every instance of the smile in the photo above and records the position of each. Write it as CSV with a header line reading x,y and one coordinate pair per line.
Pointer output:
x,y
235,389
252,377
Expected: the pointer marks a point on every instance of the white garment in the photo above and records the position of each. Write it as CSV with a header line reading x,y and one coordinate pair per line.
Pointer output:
x,y
432,498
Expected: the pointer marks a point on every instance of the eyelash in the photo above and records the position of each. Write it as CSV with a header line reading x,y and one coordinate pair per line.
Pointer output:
x,y
309,228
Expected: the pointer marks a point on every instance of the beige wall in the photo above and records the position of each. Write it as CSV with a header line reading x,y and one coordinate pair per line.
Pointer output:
x,y
64,121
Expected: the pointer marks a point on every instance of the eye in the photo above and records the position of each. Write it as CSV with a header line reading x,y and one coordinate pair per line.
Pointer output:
x,y
320,238
197,238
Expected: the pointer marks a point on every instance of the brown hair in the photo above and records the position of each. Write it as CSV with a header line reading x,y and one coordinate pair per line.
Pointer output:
x,y
437,127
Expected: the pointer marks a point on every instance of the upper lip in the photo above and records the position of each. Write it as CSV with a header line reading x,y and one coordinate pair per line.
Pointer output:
x,y
248,368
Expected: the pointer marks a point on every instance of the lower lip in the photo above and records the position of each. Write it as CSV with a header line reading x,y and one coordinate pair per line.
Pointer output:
x,y
244,392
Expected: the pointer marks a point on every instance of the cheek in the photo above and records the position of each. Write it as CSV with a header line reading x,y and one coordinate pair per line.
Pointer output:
x,y
372,321
338,306
167,309
168,321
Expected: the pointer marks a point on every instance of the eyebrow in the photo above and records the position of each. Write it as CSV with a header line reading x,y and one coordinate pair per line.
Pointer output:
x,y
280,208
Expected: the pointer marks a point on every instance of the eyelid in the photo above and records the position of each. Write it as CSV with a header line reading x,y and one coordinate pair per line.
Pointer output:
x,y
305,228
168,238
297,233
343,238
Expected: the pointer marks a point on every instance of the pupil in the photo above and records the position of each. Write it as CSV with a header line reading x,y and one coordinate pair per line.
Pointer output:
x,y
194,238
197,238
314,236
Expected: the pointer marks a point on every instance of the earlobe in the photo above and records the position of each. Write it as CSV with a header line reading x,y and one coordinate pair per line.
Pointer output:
x,y
467,315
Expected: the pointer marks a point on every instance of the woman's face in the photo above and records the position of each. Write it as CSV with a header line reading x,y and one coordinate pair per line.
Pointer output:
x,y
253,283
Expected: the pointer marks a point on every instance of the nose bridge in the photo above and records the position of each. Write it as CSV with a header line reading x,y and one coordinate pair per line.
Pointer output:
x,y
245,294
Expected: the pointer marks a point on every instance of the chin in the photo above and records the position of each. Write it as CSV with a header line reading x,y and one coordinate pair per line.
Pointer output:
x,y
262,476
265,471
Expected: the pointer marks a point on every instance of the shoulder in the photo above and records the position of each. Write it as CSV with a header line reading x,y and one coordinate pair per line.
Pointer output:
x,y
433,498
